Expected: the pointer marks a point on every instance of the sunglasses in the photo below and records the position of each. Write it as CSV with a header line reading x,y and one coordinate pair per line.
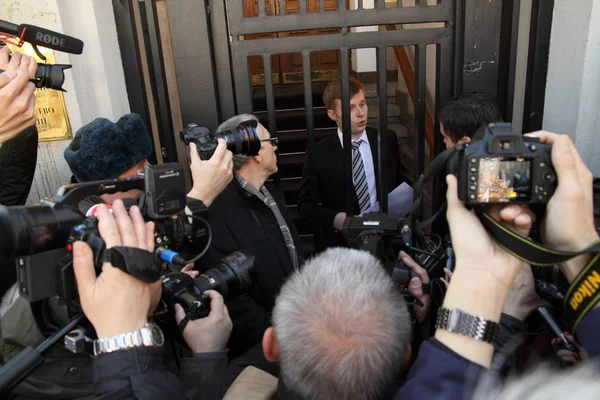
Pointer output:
x,y
274,141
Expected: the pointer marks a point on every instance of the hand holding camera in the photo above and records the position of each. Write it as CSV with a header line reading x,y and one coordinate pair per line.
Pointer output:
x,y
211,333
16,93
210,155
569,223
415,286
114,301
211,176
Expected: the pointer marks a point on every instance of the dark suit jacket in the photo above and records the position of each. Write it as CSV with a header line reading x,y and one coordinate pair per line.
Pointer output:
x,y
331,184
240,221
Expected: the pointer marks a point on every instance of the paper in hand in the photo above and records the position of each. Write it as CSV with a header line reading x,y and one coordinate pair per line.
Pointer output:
x,y
400,201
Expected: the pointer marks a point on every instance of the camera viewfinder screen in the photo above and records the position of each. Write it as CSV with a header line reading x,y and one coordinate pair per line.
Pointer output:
x,y
504,180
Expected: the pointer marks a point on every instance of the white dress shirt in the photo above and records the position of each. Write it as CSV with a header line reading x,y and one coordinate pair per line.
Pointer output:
x,y
367,157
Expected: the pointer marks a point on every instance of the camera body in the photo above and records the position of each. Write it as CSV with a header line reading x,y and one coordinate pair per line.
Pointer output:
x,y
241,140
504,167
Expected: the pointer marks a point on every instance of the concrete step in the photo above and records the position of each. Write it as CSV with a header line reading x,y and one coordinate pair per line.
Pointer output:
x,y
392,111
371,91
374,101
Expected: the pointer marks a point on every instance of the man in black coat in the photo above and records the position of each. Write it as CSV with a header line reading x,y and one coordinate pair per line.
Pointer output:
x,y
247,215
331,181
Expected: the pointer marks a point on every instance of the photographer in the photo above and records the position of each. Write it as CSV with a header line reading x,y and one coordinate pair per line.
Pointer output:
x,y
447,364
250,214
16,93
117,303
28,324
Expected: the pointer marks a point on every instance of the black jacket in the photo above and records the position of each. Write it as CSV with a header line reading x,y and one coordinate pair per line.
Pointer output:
x,y
18,158
242,221
331,184
138,373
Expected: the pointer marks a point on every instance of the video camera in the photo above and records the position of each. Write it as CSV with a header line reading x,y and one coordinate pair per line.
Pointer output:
x,y
243,139
504,167
383,236
41,236
46,76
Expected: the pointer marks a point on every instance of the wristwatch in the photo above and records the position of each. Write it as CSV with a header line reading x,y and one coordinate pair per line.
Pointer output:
x,y
464,323
150,335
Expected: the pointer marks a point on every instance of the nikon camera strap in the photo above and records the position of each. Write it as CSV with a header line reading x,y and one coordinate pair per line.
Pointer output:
x,y
583,294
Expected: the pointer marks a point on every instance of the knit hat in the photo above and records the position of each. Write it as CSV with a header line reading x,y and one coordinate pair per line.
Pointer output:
x,y
104,150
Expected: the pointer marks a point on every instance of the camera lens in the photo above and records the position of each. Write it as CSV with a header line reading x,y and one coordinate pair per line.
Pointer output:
x,y
51,76
243,139
30,230
231,277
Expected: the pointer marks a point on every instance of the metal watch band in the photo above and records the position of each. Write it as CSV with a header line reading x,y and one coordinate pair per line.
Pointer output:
x,y
470,325
123,341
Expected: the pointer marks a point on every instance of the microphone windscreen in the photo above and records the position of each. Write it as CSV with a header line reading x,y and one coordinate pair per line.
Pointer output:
x,y
50,39
93,211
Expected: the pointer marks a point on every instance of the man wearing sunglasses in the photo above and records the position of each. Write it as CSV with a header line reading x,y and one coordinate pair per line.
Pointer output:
x,y
251,215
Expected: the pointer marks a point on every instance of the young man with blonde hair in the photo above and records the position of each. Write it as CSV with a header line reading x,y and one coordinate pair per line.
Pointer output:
x,y
329,153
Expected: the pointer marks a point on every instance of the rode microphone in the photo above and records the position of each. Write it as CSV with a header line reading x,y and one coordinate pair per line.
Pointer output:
x,y
50,39
43,37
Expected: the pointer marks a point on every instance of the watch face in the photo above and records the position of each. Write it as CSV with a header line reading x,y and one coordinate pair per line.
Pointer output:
x,y
157,335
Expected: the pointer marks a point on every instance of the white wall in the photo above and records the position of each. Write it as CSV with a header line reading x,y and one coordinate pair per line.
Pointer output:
x,y
95,85
573,84
364,60
521,67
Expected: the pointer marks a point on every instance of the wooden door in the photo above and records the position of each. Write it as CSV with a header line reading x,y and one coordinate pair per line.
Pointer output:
x,y
287,68
256,63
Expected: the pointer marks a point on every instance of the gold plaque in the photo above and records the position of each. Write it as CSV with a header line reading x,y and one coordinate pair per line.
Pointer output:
x,y
259,79
316,76
52,120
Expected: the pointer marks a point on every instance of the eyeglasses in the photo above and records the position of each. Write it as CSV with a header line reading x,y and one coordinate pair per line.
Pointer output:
x,y
274,141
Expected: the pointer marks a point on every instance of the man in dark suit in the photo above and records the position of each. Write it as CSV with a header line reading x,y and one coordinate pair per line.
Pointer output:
x,y
331,182
247,215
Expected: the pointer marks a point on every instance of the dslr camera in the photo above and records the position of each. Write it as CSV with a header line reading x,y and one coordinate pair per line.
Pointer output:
x,y
504,167
47,76
241,140
232,277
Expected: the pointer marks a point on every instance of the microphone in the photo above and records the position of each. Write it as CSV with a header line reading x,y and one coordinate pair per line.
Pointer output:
x,y
50,39
43,37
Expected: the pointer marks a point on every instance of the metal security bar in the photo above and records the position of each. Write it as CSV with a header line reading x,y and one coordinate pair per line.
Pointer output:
x,y
443,38
240,25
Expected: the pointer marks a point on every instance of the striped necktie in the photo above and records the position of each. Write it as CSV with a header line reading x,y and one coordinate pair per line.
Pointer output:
x,y
359,177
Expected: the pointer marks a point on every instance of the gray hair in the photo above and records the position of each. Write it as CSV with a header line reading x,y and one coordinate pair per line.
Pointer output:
x,y
342,327
231,123
547,384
